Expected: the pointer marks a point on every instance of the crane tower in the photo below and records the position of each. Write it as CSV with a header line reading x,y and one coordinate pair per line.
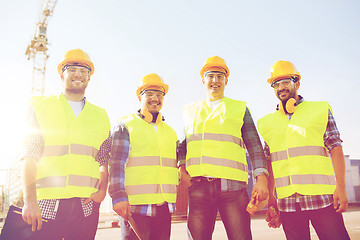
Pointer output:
x,y
37,49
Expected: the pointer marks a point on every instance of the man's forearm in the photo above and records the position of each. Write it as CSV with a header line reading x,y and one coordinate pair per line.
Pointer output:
x,y
101,193
29,179
31,212
271,180
338,161
104,177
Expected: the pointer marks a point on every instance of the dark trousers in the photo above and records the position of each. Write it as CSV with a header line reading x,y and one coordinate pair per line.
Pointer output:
x,y
69,224
151,228
328,224
206,199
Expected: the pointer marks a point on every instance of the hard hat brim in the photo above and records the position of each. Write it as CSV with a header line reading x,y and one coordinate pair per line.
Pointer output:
x,y
271,80
210,65
162,85
75,61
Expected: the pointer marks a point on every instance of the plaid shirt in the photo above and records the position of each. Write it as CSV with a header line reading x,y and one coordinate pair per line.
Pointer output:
x,y
253,146
33,148
118,159
308,202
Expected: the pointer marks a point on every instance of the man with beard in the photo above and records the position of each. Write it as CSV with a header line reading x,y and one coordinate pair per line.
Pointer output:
x,y
213,161
310,184
143,169
65,162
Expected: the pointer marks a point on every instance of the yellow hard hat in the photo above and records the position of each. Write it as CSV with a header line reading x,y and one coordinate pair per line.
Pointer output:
x,y
76,57
283,69
151,80
215,62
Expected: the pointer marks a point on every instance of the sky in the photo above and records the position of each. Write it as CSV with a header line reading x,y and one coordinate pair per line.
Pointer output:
x,y
127,40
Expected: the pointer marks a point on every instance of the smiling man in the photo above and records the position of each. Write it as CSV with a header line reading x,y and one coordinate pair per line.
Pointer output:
x,y
310,184
65,161
213,159
143,170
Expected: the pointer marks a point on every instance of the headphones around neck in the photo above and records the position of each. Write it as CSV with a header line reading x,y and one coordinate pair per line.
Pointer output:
x,y
290,106
148,117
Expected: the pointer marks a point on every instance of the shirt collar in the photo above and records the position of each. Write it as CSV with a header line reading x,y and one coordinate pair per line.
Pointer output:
x,y
83,100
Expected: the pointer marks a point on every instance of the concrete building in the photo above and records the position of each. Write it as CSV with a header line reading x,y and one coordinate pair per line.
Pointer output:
x,y
353,173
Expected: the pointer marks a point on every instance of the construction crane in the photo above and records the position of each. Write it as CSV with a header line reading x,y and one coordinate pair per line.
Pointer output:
x,y
37,49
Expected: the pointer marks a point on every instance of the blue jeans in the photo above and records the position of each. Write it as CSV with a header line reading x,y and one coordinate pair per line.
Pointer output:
x,y
327,223
206,199
151,228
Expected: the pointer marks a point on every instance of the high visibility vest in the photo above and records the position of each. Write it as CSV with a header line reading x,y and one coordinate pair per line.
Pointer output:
x,y
67,167
151,173
300,161
214,142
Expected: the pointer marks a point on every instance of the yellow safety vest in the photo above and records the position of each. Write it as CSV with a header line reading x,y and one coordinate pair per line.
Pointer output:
x,y
151,173
214,142
300,161
67,167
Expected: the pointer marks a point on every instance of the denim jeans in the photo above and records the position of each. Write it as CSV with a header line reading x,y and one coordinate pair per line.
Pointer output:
x,y
151,228
206,200
327,223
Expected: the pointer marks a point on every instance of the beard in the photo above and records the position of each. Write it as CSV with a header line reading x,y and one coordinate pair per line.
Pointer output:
x,y
291,94
152,109
75,90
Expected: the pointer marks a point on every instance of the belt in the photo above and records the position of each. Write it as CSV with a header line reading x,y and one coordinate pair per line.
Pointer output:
x,y
201,178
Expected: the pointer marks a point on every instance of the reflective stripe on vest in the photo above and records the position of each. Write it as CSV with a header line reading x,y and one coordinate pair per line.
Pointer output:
x,y
216,137
60,150
305,179
214,142
150,161
73,180
151,189
299,151
218,162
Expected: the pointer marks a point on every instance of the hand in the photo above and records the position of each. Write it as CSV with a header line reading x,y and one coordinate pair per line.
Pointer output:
x,y
185,176
123,209
273,217
340,195
96,196
252,206
272,213
261,187
31,214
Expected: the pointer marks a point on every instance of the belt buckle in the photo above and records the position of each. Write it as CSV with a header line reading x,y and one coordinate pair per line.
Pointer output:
x,y
210,179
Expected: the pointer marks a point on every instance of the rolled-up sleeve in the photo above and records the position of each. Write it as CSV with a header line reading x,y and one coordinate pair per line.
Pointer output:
x,y
332,134
103,155
33,142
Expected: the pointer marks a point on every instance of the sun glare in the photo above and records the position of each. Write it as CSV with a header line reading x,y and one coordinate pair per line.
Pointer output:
x,y
16,92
